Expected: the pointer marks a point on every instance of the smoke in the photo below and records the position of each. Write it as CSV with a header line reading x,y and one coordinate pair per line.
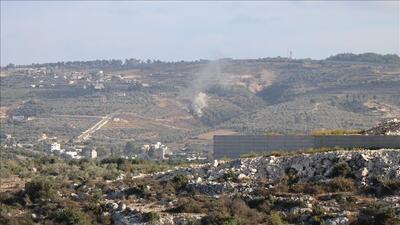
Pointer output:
x,y
199,103
207,76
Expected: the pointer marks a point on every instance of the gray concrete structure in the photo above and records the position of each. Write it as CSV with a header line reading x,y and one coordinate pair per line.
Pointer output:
x,y
233,146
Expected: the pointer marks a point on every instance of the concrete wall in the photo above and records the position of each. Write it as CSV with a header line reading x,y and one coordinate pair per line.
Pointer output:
x,y
233,146
354,141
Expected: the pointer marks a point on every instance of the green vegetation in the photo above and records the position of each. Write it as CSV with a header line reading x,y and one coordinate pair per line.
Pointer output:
x,y
384,187
338,184
73,192
290,153
367,57
151,218
378,215
180,181
131,148
70,216
301,100
335,132
341,169
40,189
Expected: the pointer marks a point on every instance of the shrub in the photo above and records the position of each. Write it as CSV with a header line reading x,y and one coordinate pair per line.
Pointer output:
x,y
39,189
229,176
151,217
218,219
139,191
317,216
274,219
70,216
339,184
189,206
384,187
377,215
231,211
291,173
180,181
262,204
341,169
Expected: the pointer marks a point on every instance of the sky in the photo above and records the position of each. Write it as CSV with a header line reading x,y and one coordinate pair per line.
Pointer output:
x,y
38,32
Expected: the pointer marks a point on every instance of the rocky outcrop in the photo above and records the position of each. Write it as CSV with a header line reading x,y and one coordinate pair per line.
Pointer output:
x,y
388,127
364,165
240,176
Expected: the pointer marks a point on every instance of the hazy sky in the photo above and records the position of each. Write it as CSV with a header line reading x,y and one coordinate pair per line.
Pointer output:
x,y
35,32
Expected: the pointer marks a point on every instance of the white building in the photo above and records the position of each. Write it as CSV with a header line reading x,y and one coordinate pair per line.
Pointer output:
x,y
90,153
99,86
73,154
18,118
154,151
55,146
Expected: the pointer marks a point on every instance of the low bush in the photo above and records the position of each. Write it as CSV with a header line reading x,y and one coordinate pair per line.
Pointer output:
x,y
70,216
337,184
262,204
341,184
189,206
274,219
334,132
39,189
218,219
291,173
138,191
151,217
377,215
317,216
229,176
383,187
180,181
341,169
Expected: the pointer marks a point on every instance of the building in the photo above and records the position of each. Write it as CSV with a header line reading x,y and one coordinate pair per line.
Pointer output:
x,y
73,155
156,151
18,118
90,153
55,146
99,86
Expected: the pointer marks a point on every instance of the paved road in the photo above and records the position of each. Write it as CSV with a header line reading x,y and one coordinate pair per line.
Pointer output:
x,y
86,134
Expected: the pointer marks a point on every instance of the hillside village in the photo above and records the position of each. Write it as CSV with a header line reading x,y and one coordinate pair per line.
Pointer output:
x,y
105,104
119,143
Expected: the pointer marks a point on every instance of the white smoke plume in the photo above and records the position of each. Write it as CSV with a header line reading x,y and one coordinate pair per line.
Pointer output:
x,y
199,103
209,75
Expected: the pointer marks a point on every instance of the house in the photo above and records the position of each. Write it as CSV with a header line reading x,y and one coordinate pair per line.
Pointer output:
x,y
55,146
90,153
73,154
99,86
154,151
18,118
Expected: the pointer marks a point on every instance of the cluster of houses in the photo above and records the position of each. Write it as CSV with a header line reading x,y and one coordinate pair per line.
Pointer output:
x,y
156,151
77,152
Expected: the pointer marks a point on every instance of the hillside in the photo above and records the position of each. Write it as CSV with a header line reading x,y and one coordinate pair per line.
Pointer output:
x,y
175,102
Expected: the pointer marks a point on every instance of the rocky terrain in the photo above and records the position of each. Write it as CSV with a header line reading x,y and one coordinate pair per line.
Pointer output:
x,y
315,186
333,187
387,127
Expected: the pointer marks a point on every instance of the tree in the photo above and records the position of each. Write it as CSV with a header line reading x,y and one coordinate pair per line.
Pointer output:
x,y
39,189
131,148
